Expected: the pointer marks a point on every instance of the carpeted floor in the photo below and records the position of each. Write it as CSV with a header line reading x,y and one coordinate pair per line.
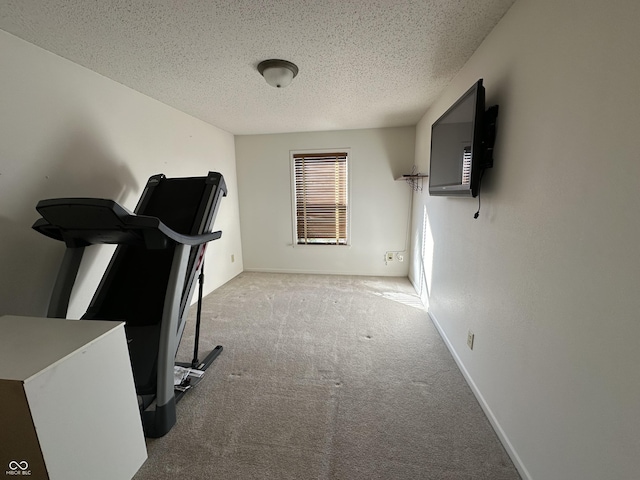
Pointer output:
x,y
325,377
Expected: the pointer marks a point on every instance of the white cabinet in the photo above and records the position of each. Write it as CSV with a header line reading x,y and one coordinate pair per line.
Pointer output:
x,y
68,407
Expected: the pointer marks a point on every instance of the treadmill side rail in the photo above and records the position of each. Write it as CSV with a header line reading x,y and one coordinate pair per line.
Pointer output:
x,y
59,301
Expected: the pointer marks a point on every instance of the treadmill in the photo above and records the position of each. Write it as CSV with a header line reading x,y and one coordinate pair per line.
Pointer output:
x,y
149,281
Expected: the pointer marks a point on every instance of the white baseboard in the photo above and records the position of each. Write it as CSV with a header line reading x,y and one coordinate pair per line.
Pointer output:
x,y
415,286
319,272
515,458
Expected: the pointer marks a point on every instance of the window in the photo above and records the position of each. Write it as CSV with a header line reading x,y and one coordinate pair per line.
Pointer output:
x,y
320,191
466,165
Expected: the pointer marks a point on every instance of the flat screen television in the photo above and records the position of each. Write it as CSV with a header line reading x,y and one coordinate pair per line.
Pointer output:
x,y
462,145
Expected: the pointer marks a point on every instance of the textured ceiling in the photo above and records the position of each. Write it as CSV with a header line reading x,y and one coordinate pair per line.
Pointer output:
x,y
363,63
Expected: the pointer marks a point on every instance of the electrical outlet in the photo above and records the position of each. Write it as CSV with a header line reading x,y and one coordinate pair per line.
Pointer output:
x,y
400,257
470,338
389,256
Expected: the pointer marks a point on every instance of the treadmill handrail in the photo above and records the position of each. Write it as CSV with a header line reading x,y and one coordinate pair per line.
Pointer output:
x,y
88,221
145,222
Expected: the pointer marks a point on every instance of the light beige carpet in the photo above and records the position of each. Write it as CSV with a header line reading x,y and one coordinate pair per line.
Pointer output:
x,y
325,377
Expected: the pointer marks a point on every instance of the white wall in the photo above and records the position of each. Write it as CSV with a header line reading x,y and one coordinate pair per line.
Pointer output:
x,y
548,276
66,131
379,205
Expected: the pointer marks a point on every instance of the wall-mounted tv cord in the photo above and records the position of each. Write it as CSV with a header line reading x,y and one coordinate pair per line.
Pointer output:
x,y
477,214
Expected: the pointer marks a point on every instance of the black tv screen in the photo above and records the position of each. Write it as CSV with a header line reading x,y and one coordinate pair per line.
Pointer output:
x,y
462,145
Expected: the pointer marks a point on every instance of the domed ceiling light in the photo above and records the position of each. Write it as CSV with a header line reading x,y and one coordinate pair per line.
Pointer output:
x,y
278,73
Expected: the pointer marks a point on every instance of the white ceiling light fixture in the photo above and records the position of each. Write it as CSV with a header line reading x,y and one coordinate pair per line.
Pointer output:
x,y
278,73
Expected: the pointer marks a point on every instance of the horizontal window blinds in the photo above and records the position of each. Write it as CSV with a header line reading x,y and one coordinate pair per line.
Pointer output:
x,y
466,165
321,198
